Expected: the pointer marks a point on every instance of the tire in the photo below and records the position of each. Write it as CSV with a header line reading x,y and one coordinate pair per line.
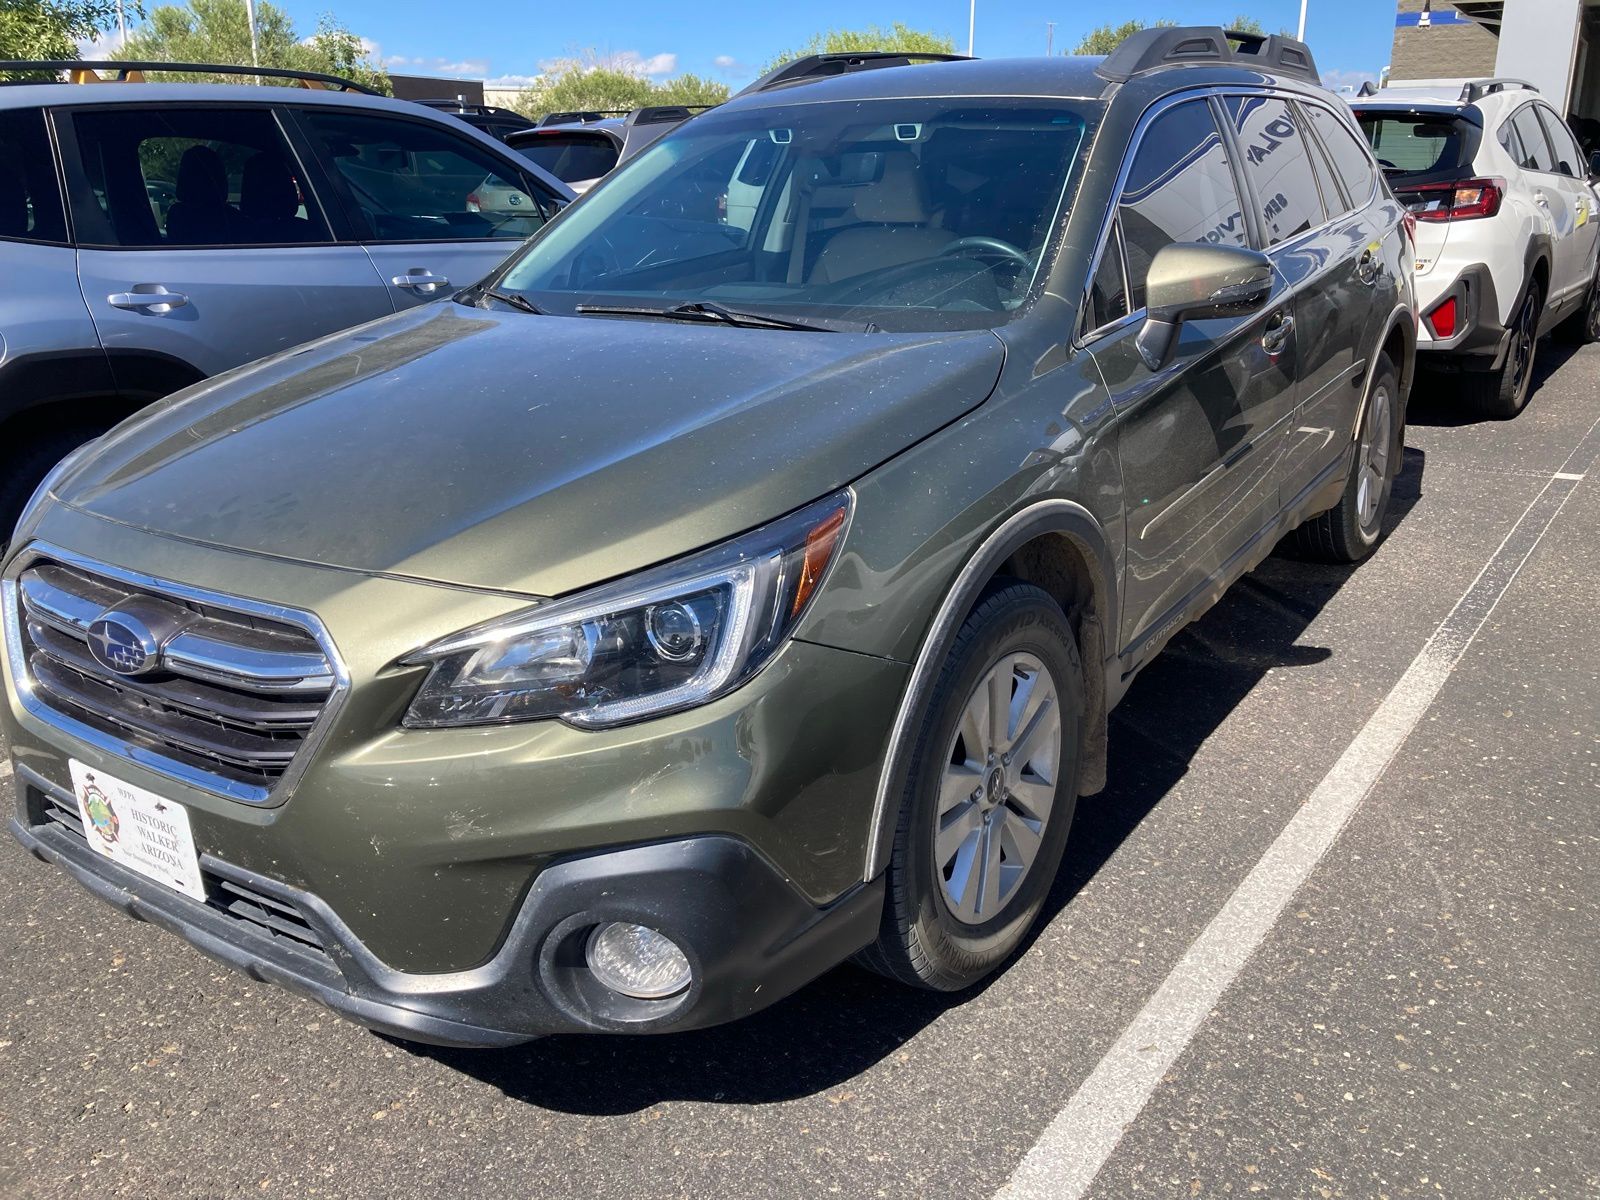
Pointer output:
x,y
1501,394
24,470
1583,326
1351,530
938,934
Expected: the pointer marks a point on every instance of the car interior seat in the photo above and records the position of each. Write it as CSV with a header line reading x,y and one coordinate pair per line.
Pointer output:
x,y
201,214
269,200
890,222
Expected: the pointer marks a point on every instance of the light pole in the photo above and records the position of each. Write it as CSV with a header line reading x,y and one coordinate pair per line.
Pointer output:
x,y
250,15
1301,36
972,24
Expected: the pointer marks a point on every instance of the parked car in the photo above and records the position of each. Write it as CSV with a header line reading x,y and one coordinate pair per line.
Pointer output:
x,y
1506,228
497,122
213,224
687,607
579,148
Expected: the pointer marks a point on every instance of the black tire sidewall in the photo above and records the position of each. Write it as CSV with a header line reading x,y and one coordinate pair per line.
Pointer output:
x,y
1357,538
1017,618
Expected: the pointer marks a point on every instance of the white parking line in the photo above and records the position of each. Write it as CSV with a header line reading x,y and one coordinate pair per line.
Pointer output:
x,y
1074,1147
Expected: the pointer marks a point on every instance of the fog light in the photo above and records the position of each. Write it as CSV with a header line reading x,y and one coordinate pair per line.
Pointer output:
x,y
637,962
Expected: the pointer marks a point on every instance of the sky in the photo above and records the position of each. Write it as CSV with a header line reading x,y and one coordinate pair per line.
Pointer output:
x,y
729,41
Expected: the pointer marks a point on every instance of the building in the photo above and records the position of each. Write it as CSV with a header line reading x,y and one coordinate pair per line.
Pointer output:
x,y
1554,44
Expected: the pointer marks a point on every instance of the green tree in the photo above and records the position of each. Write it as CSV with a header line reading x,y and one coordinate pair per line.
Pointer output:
x,y
218,31
590,83
34,29
1246,24
1107,38
898,36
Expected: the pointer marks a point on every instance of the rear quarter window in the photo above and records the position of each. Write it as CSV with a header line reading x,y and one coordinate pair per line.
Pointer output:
x,y
30,200
1351,158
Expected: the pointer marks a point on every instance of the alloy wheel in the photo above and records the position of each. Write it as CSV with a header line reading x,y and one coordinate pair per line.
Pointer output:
x,y
1522,346
1377,443
998,788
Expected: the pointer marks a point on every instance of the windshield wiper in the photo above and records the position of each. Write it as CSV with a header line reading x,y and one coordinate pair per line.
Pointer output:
x,y
514,299
701,310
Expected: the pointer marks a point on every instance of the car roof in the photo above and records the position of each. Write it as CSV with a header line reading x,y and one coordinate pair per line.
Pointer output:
x,y
60,95
1065,77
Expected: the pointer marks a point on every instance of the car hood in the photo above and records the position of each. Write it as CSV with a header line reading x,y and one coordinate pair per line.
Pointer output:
x,y
531,454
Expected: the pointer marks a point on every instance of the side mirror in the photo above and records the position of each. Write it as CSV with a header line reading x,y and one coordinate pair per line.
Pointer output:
x,y
1594,165
1193,281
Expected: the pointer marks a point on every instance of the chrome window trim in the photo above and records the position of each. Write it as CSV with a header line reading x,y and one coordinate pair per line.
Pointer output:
x,y
152,760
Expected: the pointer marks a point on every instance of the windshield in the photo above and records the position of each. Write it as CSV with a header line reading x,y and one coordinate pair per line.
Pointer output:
x,y
903,214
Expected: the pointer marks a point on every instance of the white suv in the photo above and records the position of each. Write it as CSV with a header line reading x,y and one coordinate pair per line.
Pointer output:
x,y
1505,227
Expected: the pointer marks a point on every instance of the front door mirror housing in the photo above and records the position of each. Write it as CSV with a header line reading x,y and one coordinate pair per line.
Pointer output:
x,y
1195,281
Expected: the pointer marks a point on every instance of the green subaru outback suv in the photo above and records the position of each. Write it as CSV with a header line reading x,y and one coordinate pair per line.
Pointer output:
x,y
738,580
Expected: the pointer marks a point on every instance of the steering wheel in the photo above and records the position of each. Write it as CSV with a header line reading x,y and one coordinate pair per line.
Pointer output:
x,y
989,245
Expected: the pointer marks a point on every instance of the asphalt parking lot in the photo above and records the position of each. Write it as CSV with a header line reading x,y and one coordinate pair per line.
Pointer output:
x,y
1346,877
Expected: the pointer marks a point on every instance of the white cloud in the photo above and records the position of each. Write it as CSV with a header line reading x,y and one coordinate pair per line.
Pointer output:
x,y
99,48
629,61
506,82
729,65
466,68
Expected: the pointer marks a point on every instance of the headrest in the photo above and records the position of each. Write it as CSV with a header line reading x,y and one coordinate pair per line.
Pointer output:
x,y
202,179
897,196
267,190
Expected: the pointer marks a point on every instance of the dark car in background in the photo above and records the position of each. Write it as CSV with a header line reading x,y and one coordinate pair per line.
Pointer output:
x,y
580,148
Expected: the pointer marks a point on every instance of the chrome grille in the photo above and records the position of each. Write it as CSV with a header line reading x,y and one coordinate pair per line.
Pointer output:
x,y
228,697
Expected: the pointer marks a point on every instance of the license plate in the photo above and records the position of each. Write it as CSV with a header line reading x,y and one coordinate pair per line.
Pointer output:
x,y
138,829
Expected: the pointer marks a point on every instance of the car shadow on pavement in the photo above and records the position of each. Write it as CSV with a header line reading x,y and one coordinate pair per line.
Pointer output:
x,y
849,1020
1435,398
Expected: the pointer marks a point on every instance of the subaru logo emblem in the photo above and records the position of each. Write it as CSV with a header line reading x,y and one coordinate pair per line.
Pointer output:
x,y
122,644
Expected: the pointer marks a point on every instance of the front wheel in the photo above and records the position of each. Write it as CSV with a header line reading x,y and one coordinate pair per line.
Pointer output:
x,y
1583,326
1350,530
989,800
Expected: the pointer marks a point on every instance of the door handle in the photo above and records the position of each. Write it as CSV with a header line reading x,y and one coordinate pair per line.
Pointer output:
x,y
1276,337
420,279
156,298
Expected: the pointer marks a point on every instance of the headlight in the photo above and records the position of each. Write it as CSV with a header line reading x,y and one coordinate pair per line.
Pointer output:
x,y
667,639
57,473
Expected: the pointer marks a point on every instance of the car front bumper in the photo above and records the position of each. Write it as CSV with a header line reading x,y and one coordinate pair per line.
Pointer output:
x,y
750,937
444,875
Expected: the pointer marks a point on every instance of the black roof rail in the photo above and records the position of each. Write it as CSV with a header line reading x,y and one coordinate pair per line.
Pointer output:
x,y
1477,89
1173,46
662,114
825,66
133,71
469,107
581,116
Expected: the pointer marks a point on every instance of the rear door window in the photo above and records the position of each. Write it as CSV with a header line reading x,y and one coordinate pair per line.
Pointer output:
x,y
413,181
1275,161
1180,188
1536,152
30,201
1350,159
165,177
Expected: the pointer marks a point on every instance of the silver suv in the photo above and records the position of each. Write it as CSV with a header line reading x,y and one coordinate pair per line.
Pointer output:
x,y
153,235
